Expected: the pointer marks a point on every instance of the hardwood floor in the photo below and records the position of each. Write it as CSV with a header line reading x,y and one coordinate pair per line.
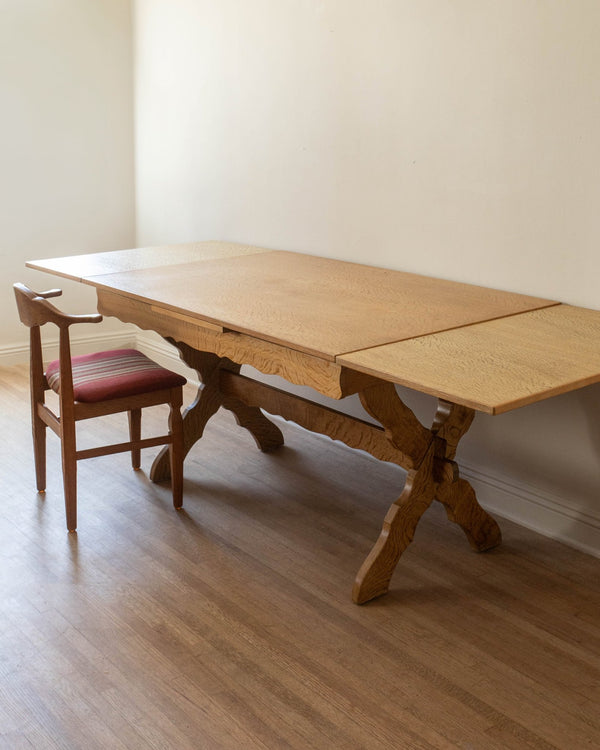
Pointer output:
x,y
230,624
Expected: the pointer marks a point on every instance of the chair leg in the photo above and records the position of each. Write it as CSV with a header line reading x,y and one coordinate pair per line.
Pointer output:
x,y
37,387
39,451
135,434
176,449
69,467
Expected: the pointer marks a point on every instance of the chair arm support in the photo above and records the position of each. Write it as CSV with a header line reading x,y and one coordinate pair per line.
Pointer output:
x,y
49,293
92,318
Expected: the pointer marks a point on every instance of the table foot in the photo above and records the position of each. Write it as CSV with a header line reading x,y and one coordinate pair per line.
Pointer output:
x,y
267,436
399,526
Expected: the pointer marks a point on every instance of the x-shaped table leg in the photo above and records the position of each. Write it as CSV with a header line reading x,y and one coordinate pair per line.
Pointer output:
x,y
432,474
426,454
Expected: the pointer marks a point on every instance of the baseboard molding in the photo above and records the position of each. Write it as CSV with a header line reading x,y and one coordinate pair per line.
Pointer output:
x,y
536,509
19,353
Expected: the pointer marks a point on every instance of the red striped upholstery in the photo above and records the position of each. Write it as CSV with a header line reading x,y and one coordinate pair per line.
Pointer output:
x,y
114,374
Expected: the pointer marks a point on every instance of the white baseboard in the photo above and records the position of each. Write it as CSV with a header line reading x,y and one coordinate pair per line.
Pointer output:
x,y
536,509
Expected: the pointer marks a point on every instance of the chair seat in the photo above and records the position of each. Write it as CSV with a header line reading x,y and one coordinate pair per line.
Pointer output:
x,y
114,374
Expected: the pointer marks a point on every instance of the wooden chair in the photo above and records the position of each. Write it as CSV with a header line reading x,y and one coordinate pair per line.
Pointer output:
x,y
94,385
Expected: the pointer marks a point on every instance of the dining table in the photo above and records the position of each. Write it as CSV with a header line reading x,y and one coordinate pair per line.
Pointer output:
x,y
345,328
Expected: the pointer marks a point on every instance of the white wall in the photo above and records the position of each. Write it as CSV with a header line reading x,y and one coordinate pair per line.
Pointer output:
x,y
450,137
66,145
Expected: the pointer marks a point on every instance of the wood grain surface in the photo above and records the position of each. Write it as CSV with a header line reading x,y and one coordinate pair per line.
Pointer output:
x,y
498,365
323,375
79,267
351,431
317,305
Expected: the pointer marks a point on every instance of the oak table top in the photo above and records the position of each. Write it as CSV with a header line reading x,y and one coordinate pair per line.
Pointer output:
x,y
487,349
497,365
321,306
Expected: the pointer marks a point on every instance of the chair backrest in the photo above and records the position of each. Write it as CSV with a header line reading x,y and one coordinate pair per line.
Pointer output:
x,y
35,311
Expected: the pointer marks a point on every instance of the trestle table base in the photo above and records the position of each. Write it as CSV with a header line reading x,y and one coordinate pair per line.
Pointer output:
x,y
427,454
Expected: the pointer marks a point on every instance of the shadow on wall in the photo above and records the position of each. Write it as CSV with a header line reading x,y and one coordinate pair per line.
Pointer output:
x,y
552,448
589,399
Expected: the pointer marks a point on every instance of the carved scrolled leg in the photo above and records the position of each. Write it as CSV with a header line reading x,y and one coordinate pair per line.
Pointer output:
x,y
197,414
456,495
460,502
450,423
416,454
373,578
427,455
402,428
207,402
